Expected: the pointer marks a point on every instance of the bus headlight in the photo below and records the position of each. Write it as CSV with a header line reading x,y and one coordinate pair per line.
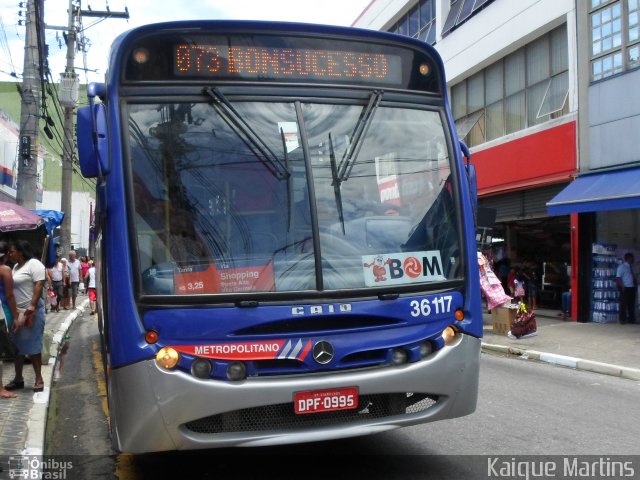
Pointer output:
x,y
236,371
167,358
399,356
426,349
201,368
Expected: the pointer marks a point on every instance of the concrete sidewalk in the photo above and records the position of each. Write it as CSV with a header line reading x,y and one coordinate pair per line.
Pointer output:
x,y
609,348
23,419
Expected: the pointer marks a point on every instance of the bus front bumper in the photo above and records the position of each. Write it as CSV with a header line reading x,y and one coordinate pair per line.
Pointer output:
x,y
157,410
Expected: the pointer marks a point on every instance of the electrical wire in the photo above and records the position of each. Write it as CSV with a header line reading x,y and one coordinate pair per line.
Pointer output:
x,y
5,46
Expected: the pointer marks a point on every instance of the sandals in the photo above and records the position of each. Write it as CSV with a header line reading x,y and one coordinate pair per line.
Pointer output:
x,y
38,387
7,394
14,385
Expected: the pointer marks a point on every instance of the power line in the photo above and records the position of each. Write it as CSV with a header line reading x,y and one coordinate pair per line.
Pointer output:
x,y
5,47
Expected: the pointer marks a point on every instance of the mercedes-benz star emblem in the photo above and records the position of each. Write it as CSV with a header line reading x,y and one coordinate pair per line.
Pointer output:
x,y
322,352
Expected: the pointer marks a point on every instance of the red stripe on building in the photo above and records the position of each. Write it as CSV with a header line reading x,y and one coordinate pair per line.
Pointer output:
x,y
545,157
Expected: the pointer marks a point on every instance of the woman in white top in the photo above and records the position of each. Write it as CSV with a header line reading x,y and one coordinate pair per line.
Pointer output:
x,y
57,277
28,282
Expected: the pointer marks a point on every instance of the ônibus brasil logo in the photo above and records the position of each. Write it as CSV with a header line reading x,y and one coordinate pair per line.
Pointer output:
x,y
404,267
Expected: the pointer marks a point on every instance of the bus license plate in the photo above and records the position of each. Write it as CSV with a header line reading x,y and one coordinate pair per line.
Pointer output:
x,y
330,400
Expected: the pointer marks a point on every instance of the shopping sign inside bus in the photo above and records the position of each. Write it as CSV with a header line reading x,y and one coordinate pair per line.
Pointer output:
x,y
210,278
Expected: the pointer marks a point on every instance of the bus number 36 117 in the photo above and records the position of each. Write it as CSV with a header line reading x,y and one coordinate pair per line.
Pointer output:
x,y
441,304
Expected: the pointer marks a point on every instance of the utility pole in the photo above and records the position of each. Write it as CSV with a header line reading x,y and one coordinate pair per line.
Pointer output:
x,y
69,99
27,180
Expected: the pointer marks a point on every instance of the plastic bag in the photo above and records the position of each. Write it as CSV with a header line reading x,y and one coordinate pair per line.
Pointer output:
x,y
525,323
52,299
490,284
22,320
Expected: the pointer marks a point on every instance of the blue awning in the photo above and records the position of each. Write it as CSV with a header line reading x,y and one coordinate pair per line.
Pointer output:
x,y
613,190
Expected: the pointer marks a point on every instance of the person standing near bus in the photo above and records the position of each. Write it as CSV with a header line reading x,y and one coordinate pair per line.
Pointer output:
x,y
90,282
56,273
84,268
8,305
28,327
75,268
65,284
627,285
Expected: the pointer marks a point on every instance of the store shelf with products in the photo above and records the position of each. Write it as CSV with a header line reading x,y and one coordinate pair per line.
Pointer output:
x,y
605,298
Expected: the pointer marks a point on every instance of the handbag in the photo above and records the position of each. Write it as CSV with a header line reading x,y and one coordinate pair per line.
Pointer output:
x,y
8,349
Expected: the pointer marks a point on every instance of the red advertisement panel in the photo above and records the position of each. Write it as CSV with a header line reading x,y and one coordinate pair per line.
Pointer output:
x,y
201,279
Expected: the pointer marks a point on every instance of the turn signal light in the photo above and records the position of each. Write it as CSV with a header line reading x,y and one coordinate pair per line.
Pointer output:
x,y
151,337
459,315
167,358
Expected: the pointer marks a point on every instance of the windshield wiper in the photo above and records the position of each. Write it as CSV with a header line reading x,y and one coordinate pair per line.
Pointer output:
x,y
246,133
287,165
336,183
351,154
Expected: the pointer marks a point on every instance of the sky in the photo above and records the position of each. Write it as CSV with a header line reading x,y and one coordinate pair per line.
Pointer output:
x,y
91,66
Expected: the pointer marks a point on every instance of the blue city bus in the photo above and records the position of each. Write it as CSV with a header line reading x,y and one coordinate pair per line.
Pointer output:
x,y
285,241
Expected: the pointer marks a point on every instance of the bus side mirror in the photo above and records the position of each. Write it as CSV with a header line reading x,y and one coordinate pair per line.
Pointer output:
x,y
92,140
471,177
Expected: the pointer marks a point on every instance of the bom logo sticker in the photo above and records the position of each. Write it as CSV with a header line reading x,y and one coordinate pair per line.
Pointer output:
x,y
402,268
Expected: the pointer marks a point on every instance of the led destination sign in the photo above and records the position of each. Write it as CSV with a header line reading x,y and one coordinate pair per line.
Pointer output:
x,y
274,63
293,58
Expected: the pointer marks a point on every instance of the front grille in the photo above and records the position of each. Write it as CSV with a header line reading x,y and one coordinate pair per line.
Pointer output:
x,y
282,417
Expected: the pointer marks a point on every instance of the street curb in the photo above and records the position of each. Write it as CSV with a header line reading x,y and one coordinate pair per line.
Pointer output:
x,y
36,425
563,360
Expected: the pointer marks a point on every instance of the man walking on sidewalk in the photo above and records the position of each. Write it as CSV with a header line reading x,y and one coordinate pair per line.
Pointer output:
x,y
74,276
627,285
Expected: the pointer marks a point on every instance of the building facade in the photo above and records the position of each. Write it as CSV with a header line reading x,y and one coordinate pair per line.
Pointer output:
x,y
605,196
542,92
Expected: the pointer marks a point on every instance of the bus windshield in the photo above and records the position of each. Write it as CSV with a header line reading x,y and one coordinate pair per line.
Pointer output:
x,y
256,196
